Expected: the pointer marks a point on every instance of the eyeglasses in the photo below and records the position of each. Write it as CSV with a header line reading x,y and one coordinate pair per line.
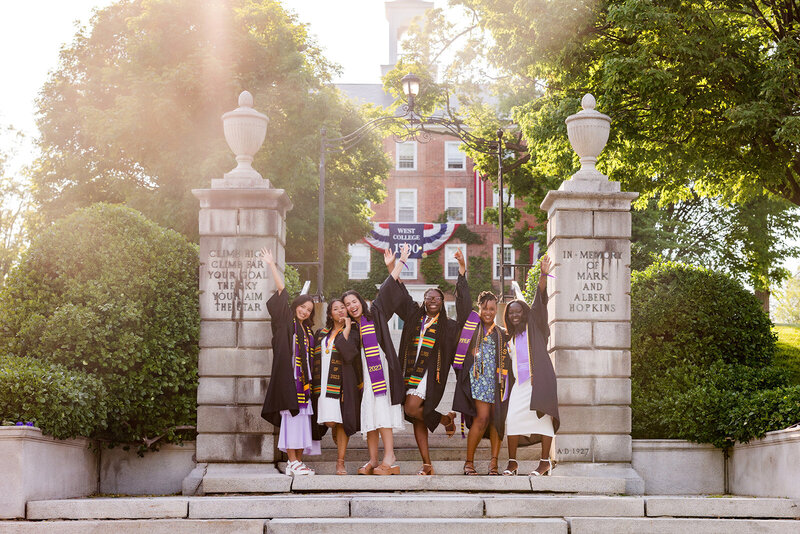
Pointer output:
x,y
434,298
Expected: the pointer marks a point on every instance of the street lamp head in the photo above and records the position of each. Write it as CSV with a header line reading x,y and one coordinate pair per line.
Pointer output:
x,y
410,85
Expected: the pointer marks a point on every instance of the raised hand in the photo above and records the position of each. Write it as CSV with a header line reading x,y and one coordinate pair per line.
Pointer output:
x,y
547,265
459,256
348,322
405,252
266,255
388,258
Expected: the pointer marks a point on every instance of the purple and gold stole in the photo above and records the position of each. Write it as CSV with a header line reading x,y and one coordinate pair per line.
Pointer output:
x,y
524,366
465,338
303,386
369,340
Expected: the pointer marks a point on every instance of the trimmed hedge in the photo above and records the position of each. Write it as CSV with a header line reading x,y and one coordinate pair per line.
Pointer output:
x,y
109,293
701,359
62,402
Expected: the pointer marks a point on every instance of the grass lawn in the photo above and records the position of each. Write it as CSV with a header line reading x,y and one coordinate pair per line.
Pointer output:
x,y
788,350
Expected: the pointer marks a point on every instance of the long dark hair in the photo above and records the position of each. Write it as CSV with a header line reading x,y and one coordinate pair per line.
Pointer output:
x,y
512,331
364,308
329,312
299,301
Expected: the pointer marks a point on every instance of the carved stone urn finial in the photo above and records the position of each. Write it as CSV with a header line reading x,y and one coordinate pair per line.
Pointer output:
x,y
588,134
245,130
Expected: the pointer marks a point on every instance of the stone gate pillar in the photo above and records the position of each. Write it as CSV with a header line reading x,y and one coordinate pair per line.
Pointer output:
x,y
239,215
588,239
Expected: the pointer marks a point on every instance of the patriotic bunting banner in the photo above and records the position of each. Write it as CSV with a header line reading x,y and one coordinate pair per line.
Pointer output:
x,y
423,238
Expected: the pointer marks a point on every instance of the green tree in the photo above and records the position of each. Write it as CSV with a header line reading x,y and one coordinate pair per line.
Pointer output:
x,y
132,115
702,98
787,308
15,200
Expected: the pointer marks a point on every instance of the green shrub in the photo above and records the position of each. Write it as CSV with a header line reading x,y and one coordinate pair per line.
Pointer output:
x,y
109,293
701,359
62,402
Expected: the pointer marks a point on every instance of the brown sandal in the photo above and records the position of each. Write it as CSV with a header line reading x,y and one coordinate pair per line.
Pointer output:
x,y
384,469
426,472
469,468
366,469
340,467
493,472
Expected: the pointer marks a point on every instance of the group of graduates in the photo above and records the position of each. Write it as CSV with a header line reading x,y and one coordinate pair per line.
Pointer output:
x,y
348,376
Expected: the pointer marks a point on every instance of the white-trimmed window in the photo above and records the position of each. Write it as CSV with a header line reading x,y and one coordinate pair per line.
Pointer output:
x,y
409,271
450,307
405,205
508,199
358,267
454,159
508,257
406,156
455,204
450,263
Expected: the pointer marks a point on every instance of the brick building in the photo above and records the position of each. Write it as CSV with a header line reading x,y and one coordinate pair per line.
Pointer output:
x,y
429,179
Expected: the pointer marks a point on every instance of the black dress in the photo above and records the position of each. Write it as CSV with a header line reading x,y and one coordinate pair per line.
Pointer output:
x,y
350,397
397,299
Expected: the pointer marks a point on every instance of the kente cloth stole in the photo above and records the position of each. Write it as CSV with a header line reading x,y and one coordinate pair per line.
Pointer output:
x,y
372,353
415,367
465,338
333,389
503,362
302,335
524,365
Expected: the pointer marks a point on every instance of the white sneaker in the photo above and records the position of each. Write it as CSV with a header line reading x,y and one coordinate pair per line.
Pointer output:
x,y
300,469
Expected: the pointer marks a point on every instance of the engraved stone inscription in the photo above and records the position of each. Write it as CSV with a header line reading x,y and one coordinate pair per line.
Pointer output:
x,y
592,279
233,278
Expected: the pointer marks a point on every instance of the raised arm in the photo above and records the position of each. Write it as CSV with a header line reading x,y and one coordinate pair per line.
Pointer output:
x,y
266,254
394,267
538,316
463,297
393,296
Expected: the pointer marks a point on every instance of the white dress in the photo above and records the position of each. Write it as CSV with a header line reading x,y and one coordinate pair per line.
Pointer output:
x,y
379,412
330,410
521,420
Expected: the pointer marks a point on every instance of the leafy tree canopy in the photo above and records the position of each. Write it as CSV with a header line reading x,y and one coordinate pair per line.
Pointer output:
x,y
132,114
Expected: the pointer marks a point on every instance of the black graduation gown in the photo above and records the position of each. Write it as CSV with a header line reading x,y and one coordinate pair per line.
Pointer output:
x,y
397,298
544,394
281,391
350,399
462,398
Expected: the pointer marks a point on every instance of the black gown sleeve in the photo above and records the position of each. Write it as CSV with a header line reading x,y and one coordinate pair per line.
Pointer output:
x,y
538,315
463,300
348,348
278,308
393,297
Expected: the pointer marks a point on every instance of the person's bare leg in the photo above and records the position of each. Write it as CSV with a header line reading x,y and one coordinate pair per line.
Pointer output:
x,y
547,442
513,441
388,446
292,454
496,442
478,428
372,447
415,411
341,441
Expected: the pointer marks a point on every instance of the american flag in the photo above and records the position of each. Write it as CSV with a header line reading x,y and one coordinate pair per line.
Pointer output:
x,y
480,197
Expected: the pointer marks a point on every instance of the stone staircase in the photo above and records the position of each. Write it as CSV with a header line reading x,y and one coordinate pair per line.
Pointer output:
x,y
435,511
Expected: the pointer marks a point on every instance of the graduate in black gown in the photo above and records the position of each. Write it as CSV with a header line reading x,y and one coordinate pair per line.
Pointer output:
x,y
427,347
532,412
481,382
337,376
383,391
288,403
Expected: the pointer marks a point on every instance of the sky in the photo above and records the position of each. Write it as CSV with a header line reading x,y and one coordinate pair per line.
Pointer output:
x,y
33,31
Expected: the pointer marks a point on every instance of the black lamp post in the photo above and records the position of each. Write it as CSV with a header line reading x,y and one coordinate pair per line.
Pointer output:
x,y
413,126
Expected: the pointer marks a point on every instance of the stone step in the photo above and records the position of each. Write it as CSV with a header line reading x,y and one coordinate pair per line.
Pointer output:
x,y
648,525
405,525
454,453
410,467
133,526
